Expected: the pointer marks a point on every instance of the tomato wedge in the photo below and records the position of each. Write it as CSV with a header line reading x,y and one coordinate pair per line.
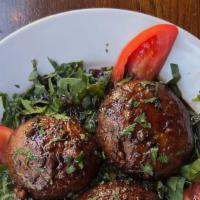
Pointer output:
x,y
193,192
144,56
5,134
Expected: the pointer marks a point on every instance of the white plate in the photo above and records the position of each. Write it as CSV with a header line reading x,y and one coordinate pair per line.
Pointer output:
x,y
83,35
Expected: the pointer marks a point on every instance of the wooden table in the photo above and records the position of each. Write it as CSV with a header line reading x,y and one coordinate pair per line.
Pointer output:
x,y
17,13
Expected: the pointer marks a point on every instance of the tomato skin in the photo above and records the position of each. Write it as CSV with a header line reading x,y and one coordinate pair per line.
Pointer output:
x,y
144,56
193,192
5,134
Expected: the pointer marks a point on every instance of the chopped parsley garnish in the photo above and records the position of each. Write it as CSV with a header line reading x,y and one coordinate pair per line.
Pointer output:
x,y
17,86
150,100
60,116
40,170
175,74
145,83
84,136
90,121
72,162
42,132
30,109
68,160
134,103
154,154
123,98
163,158
51,87
173,82
6,186
80,160
123,81
69,84
147,169
102,111
191,171
40,129
175,188
24,151
71,169
141,119
58,139
128,130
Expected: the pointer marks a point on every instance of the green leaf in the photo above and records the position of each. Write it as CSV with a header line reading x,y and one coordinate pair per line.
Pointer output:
x,y
90,122
175,74
176,77
74,88
42,132
17,86
74,69
147,169
57,139
80,160
144,83
197,98
51,87
128,130
1,100
48,96
34,74
154,153
24,151
141,119
84,136
54,106
86,102
96,89
53,63
80,157
192,171
4,100
59,116
175,187
123,81
71,169
39,89
150,100
68,160
29,109
134,103
6,186
27,105
163,158
12,111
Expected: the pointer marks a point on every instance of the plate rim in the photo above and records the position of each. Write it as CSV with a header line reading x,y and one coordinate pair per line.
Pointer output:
x,y
90,10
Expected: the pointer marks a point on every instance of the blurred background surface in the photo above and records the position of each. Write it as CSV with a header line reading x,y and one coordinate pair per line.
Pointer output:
x,y
17,13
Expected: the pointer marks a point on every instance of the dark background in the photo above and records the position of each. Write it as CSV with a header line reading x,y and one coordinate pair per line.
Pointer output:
x,y
17,13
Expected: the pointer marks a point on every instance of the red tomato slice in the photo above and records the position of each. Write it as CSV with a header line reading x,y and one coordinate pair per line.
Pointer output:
x,y
193,192
144,56
5,134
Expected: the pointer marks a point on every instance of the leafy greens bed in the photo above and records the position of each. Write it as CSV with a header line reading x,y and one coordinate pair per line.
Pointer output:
x,y
70,90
